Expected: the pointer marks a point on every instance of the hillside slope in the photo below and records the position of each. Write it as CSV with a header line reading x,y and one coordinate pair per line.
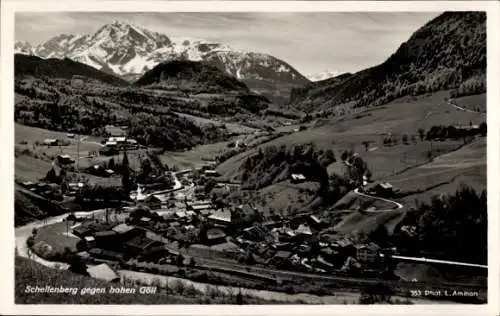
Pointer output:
x,y
25,65
446,53
200,76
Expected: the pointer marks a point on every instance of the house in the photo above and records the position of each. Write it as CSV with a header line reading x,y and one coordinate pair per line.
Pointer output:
x,y
90,241
140,245
153,202
297,178
303,230
367,253
50,142
221,217
111,144
215,236
127,232
199,205
145,220
28,184
322,263
211,173
106,254
315,222
384,189
82,231
65,160
103,272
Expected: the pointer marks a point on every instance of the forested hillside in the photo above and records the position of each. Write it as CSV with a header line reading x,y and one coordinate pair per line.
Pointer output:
x,y
449,52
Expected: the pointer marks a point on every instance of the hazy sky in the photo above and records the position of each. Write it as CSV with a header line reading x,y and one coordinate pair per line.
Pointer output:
x,y
310,42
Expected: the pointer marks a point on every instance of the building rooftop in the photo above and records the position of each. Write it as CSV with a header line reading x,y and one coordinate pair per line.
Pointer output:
x,y
303,229
298,176
140,242
102,272
221,215
214,233
386,185
123,228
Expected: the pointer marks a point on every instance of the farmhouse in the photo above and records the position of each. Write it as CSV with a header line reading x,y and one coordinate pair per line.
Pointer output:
x,y
211,173
82,231
127,232
142,245
50,142
384,189
90,241
65,160
221,217
297,178
215,236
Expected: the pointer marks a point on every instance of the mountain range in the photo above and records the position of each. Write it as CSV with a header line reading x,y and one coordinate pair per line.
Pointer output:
x,y
129,51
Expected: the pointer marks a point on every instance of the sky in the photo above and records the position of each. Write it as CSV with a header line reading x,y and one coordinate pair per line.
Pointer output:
x,y
310,42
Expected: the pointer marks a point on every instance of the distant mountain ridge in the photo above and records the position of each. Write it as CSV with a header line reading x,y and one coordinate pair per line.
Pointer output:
x,y
446,53
128,51
66,68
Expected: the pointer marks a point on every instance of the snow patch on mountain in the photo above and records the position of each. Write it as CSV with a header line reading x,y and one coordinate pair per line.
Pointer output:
x,y
322,75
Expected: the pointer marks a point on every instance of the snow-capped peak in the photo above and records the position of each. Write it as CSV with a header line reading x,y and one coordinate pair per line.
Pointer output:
x,y
322,75
129,50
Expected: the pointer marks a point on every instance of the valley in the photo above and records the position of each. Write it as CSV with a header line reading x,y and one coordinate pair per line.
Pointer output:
x,y
231,169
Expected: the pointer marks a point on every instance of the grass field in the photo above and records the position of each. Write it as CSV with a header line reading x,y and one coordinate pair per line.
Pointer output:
x,y
446,172
29,168
54,235
473,102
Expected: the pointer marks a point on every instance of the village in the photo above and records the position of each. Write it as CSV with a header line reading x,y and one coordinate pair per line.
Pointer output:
x,y
178,223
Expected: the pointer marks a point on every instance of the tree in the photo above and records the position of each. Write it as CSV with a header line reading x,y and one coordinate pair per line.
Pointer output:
x,y
344,155
111,164
405,139
179,260
421,134
192,262
483,129
366,144
125,162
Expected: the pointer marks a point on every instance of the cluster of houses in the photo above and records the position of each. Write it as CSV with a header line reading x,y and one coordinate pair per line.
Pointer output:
x,y
107,243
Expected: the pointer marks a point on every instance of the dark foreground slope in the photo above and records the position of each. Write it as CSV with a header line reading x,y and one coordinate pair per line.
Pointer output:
x,y
449,52
66,68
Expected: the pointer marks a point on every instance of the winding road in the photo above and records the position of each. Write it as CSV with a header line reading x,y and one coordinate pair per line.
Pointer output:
x,y
399,205
464,109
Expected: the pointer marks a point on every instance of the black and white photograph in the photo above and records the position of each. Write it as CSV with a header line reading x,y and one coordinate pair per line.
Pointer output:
x,y
250,158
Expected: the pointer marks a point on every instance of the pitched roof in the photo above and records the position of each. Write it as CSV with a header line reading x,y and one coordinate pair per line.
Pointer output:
x,y
298,176
103,272
122,228
214,233
140,242
222,215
